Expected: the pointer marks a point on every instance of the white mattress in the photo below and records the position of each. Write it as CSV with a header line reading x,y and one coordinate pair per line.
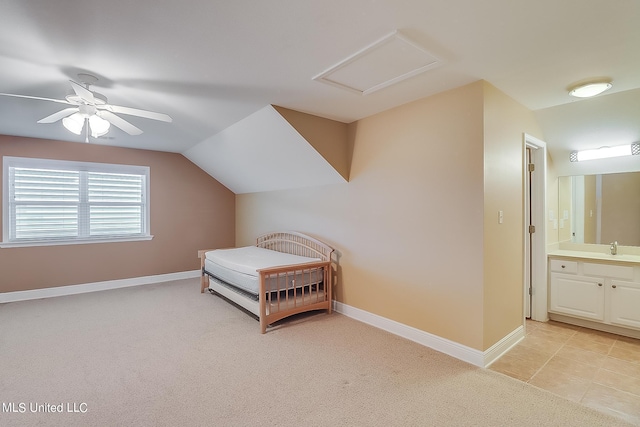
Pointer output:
x,y
238,267
249,259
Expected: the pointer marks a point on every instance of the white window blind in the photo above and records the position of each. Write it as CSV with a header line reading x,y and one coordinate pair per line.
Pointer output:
x,y
57,201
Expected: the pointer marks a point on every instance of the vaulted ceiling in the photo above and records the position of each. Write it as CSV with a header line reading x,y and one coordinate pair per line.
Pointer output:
x,y
210,63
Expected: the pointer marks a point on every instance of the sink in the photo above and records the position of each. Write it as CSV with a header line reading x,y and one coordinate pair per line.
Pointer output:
x,y
618,257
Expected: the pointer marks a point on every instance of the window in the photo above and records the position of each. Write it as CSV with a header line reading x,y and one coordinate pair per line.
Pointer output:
x,y
60,202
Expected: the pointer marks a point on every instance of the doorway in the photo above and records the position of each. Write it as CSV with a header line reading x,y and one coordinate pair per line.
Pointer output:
x,y
529,230
535,251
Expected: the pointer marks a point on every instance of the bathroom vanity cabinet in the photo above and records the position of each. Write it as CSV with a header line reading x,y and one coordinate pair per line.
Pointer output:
x,y
595,293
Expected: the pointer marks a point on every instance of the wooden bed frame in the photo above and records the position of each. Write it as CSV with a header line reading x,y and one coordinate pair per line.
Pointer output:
x,y
276,305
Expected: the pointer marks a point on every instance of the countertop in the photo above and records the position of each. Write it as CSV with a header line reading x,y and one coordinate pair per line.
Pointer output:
x,y
623,258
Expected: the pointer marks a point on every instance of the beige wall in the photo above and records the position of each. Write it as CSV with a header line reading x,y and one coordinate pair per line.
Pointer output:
x,y
505,121
410,226
189,211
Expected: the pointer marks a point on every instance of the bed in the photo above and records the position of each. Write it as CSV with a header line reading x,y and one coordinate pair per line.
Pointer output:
x,y
285,273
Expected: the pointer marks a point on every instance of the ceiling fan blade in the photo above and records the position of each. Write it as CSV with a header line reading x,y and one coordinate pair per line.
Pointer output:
x,y
83,92
61,101
136,112
59,115
119,122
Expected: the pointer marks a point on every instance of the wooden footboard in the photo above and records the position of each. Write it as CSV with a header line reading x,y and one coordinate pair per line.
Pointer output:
x,y
300,288
204,279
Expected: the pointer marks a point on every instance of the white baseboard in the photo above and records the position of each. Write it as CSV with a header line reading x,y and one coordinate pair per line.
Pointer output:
x,y
96,286
612,329
496,351
451,348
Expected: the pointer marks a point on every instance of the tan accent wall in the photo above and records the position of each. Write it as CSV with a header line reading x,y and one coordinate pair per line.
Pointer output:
x,y
189,211
621,208
328,137
505,121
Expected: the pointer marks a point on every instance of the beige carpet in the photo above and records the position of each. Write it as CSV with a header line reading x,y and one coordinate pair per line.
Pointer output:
x,y
167,355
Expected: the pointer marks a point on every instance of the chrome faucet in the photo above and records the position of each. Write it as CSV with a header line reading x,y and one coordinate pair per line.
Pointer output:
x,y
614,248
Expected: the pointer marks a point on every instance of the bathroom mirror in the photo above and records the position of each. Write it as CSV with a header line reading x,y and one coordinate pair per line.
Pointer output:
x,y
599,209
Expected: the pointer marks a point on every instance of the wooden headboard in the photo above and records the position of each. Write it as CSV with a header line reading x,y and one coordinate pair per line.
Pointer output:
x,y
292,242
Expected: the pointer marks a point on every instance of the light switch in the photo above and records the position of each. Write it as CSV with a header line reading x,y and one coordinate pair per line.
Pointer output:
x,y
500,217
565,214
551,218
555,224
561,223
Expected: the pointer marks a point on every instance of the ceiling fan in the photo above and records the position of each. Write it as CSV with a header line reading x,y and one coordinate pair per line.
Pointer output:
x,y
92,109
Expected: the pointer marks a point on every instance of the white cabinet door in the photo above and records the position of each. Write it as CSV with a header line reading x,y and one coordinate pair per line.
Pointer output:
x,y
577,296
624,300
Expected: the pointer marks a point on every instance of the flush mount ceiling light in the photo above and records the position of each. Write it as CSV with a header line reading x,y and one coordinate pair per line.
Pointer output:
x,y
605,152
387,61
587,90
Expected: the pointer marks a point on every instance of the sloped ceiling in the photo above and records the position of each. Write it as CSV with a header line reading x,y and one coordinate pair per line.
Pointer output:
x,y
265,152
210,63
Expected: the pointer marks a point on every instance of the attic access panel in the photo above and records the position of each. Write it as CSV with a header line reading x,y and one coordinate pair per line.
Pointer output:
x,y
387,61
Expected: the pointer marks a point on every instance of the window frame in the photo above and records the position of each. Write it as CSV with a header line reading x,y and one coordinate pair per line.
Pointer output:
x,y
29,162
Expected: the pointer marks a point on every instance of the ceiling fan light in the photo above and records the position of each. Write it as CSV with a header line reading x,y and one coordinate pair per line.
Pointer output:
x,y
98,126
590,89
74,123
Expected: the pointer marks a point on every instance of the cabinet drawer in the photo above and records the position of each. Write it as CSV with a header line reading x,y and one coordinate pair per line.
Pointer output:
x,y
563,266
607,270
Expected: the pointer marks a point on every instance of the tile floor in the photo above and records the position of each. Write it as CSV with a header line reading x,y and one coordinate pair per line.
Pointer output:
x,y
596,369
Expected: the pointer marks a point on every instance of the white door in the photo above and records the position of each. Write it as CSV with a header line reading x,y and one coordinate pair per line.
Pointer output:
x,y
527,234
535,250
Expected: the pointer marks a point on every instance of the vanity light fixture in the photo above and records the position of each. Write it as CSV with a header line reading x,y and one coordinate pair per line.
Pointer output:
x,y
605,152
587,90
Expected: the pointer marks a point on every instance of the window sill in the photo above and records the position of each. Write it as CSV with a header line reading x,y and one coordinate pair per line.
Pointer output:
x,y
4,245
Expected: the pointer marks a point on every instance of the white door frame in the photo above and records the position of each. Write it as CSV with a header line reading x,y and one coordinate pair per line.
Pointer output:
x,y
538,239
527,236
